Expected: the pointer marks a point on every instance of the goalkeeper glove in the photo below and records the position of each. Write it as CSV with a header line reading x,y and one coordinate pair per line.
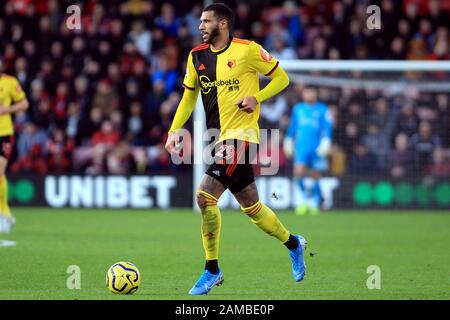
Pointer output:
x,y
324,147
288,147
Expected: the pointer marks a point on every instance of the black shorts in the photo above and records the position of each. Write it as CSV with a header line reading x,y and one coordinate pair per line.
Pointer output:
x,y
233,164
6,146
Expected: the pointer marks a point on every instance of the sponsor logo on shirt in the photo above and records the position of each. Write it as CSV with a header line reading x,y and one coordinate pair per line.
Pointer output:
x,y
206,84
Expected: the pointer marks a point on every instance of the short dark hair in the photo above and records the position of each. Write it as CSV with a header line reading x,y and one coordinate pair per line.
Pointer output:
x,y
222,11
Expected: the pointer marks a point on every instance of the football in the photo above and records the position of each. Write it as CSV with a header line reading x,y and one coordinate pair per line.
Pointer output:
x,y
123,278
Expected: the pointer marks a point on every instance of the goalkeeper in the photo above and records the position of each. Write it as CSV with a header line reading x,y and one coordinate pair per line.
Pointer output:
x,y
308,140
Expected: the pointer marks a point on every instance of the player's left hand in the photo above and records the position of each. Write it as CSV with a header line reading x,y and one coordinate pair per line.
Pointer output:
x,y
247,104
324,147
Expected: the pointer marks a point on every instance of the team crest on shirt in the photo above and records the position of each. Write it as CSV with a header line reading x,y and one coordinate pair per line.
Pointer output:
x,y
265,55
231,63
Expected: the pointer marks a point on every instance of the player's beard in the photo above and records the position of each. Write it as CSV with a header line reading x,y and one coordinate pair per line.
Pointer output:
x,y
213,35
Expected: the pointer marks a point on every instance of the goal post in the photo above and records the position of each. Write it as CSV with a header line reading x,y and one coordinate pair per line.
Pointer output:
x,y
198,166
364,65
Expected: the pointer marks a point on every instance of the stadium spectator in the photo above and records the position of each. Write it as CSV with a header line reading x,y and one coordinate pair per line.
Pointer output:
x,y
355,114
402,160
377,145
277,32
398,50
424,142
118,161
407,121
319,49
443,109
272,110
349,138
103,143
103,55
192,18
361,161
43,116
383,117
167,21
74,121
257,32
280,51
440,164
243,19
32,149
81,94
436,13
166,73
130,56
142,39
60,103
184,43
105,98
440,49
90,126
59,152
136,126
291,19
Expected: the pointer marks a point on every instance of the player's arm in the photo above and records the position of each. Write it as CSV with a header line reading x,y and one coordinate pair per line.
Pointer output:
x,y
261,61
324,147
182,115
19,99
280,80
185,107
22,105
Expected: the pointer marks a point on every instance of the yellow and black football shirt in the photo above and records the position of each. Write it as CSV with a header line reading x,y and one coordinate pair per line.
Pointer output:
x,y
223,78
10,92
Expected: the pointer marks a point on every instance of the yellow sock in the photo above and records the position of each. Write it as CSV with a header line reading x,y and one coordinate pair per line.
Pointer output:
x,y
4,207
211,225
267,221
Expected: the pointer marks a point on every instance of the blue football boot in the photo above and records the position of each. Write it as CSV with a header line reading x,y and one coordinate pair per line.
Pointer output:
x,y
298,263
206,282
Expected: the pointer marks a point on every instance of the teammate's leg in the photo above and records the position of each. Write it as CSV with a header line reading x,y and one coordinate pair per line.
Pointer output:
x,y
262,216
5,213
208,194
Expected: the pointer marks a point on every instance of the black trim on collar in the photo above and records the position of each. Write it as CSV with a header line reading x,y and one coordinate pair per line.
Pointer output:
x,y
224,49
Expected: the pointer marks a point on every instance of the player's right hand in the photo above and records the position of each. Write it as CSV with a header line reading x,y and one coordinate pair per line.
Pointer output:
x,y
172,143
247,104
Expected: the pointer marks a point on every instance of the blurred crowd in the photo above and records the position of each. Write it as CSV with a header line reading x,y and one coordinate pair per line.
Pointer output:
x,y
102,97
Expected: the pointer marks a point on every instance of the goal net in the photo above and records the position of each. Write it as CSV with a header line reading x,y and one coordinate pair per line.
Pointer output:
x,y
391,134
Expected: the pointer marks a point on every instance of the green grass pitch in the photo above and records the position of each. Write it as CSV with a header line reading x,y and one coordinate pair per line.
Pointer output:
x,y
411,249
